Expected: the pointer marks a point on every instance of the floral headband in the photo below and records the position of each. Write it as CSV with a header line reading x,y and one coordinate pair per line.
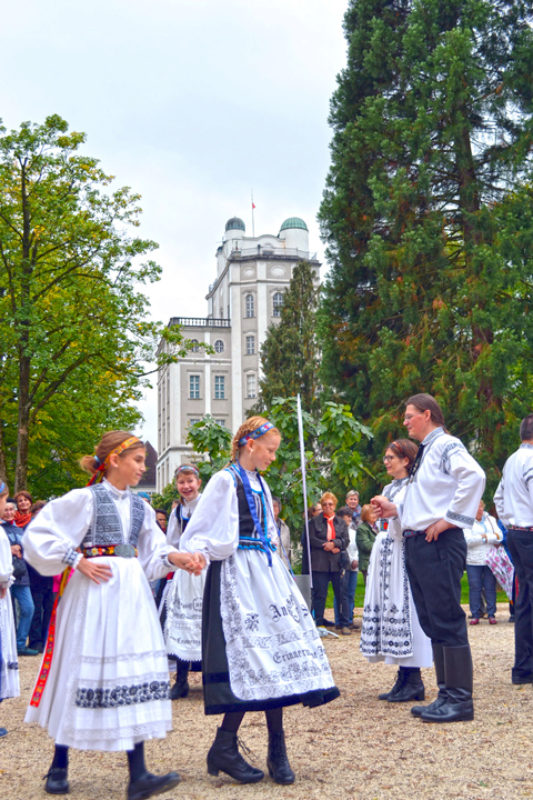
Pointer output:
x,y
264,428
186,468
102,465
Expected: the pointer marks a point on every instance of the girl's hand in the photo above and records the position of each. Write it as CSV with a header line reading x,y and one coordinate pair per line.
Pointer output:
x,y
3,593
190,562
93,569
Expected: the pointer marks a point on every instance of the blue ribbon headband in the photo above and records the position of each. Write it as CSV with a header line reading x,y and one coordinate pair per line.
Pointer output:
x,y
3,487
264,428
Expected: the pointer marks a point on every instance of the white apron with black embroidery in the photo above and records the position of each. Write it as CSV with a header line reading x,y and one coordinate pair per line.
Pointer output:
x,y
108,685
9,667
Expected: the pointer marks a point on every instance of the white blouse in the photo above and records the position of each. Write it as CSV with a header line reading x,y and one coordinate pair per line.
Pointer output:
x,y
173,531
62,524
514,495
6,561
478,546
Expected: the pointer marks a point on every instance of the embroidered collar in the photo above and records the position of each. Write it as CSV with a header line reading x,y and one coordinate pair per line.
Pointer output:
x,y
526,444
113,491
432,435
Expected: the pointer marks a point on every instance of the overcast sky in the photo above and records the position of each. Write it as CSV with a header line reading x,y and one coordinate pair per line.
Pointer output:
x,y
192,103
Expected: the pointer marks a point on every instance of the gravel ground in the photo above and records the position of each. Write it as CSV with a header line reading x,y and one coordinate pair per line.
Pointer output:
x,y
354,747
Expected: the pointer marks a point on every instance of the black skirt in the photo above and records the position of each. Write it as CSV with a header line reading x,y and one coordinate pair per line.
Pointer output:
x,y
218,696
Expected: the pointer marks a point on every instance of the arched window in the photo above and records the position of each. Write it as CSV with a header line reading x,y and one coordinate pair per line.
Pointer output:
x,y
277,303
219,346
250,305
250,345
250,385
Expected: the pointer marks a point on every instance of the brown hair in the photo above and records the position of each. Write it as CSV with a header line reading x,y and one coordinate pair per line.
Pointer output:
x,y
109,442
366,511
404,448
23,493
426,402
249,425
329,496
37,506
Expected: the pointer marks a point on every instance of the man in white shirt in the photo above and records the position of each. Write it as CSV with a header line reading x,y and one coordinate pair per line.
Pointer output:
x,y
442,497
514,506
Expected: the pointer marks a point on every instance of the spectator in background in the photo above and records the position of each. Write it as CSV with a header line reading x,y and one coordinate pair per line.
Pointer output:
x,y
479,540
366,536
352,501
20,590
23,500
312,511
161,517
9,676
349,576
283,545
42,592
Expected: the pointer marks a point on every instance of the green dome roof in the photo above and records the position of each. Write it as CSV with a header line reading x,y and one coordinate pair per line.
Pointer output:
x,y
235,224
294,222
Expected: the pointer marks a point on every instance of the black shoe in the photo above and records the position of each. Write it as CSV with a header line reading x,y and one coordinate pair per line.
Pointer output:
x,y
400,677
518,680
224,755
27,651
180,689
149,784
56,781
412,688
417,711
277,762
458,707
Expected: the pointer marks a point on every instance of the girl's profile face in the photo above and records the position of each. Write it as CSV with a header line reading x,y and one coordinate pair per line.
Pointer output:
x,y
127,469
262,451
3,501
188,485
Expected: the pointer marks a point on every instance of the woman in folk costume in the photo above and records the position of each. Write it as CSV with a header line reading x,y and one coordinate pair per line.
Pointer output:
x,y
107,685
260,648
9,676
391,630
184,593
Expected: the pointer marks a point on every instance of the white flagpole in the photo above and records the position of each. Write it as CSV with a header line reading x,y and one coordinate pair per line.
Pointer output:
x,y
304,484
253,214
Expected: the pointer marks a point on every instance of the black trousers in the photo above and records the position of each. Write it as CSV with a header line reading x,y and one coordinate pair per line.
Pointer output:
x,y
435,570
320,592
520,544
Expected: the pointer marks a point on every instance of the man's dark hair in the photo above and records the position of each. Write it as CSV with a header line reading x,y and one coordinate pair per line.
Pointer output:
x,y
526,428
426,402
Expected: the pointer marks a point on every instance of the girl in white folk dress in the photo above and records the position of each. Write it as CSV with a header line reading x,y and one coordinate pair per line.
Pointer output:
x,y
391,630
183,596
260,647
107,687
9,675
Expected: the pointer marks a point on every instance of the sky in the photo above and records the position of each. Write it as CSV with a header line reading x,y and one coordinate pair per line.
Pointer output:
x,y
192,103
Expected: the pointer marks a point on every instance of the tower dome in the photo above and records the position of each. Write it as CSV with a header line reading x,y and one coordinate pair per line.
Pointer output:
x,y
235,224
293,223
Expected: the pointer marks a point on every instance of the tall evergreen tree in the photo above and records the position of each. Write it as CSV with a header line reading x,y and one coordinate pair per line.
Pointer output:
x,y
289,354
427,215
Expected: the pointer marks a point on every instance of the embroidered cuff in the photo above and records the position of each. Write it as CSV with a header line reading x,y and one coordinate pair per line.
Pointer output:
x,y
465,522
170,566
71,558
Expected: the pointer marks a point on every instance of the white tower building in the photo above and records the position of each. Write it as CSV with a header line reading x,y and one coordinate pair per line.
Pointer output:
x,y
245,298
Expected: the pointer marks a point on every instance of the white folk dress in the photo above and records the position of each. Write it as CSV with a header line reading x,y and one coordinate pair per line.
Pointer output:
x,y
183,598
261,648
108,685
9,666
391,630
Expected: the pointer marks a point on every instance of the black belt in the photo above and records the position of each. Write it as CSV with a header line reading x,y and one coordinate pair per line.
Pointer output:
x,y
521,528
408,533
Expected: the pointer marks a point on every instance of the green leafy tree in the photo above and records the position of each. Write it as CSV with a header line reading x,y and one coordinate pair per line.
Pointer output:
x,y
73,326
427,215
289,354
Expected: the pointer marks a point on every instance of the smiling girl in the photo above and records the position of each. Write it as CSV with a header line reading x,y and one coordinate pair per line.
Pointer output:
x,y
107,685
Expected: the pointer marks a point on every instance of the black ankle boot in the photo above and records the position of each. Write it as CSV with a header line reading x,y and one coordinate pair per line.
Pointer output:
x,y
400,675
277,762
411,689
56,781
181,686
224,755
147,784
458,705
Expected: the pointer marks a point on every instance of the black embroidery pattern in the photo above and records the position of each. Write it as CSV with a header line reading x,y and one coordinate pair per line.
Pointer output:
x,y
123,695
106,528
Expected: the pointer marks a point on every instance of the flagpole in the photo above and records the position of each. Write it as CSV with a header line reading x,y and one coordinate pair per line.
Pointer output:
x,y
253,214
304,484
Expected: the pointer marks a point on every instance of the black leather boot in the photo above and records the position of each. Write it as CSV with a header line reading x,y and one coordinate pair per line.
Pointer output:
x,y
400,676
438,661
277,762
458,705
181,686
224,755
147,784
56,781
411,689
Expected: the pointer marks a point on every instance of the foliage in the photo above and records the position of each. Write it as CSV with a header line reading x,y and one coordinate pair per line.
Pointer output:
x,y
73,325
212,440
166,498
289,354
427,215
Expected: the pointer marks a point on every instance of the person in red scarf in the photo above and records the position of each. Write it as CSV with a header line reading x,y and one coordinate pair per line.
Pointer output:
x,y
23,500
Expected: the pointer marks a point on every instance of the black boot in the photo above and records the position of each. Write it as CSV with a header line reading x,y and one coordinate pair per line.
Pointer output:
x,y
277,762
147,784
224,755
400,677
56,781
181,686
438,660
458,705
411,689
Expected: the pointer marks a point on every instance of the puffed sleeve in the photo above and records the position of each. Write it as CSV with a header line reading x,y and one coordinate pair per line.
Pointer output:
x,y
470,479
153,547
173,534
6,562
214,527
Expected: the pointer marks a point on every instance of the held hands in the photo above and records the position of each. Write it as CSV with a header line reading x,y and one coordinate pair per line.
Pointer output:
x,y
93,569
384,507
329,546
16,550
193,563
435,529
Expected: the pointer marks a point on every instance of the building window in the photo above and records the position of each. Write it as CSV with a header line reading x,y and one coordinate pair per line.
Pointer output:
x,y
277,303
194,387
193,422
219,346
250,345
250,305
221,422
195,346
250,385
220,387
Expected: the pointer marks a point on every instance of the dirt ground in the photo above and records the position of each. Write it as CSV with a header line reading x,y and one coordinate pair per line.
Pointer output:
x,y
354,747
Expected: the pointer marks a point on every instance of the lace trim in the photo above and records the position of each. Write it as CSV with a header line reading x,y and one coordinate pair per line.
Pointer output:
x,y
70,557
